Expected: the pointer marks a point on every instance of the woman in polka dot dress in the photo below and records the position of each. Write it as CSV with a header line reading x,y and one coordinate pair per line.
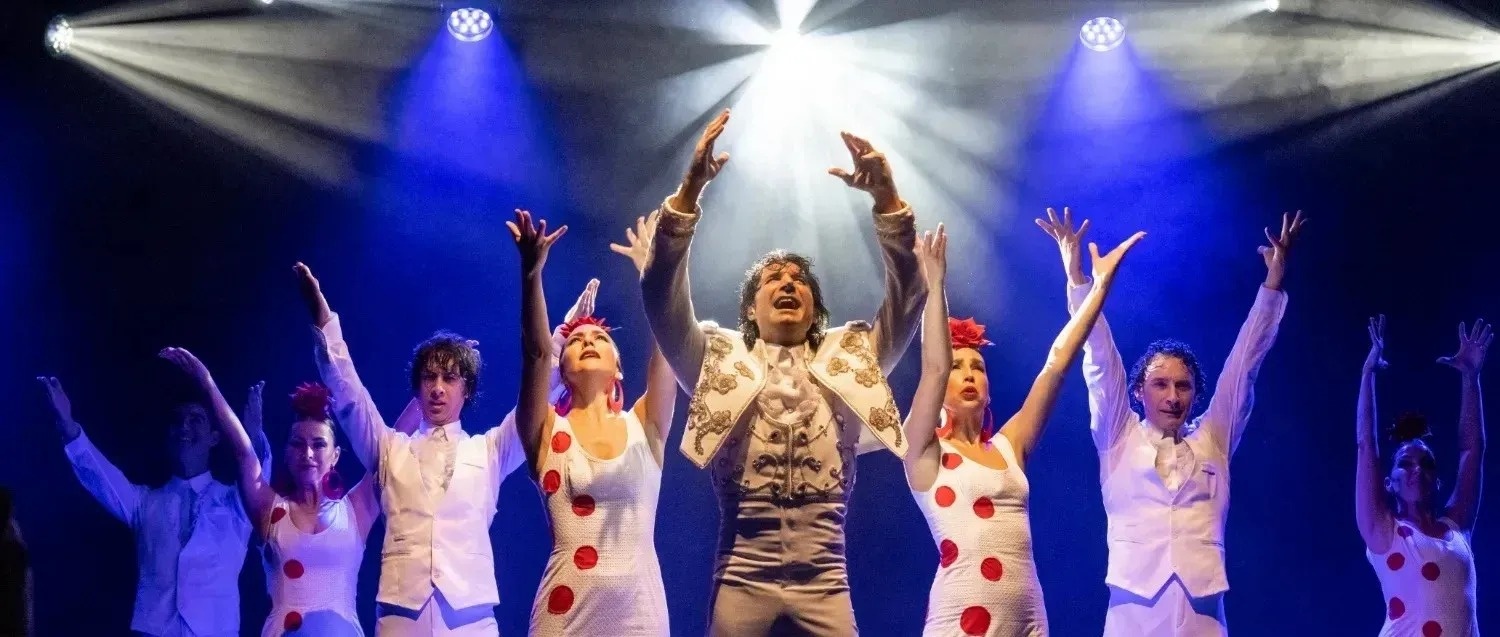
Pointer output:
x,y
1421,554
971,484
598,465
313,532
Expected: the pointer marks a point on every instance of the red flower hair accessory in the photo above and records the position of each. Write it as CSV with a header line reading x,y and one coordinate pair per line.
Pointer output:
x,y
966,333
567,328
312,401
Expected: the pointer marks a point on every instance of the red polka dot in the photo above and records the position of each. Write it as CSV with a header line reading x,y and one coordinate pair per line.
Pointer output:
x,y
984,508
585,557
1432,629
952,460
293,569
991,569
1403,530
1431,571
560,600
551,482
944,496
583,506
561,441
975,620
1395,561
277,513
292,621
1396,608
947,553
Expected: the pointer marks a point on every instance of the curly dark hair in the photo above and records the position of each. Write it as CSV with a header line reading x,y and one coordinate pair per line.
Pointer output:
x,y
1171,348
1410,429
446,350
751,284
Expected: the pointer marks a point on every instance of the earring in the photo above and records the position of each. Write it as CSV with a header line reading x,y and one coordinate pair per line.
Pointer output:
x,y
617,397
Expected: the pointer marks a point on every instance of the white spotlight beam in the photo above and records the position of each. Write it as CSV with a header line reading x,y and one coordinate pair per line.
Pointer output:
x,y
308,154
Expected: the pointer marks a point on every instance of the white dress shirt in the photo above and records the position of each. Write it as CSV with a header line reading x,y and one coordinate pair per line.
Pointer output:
x,y
438,496
191,537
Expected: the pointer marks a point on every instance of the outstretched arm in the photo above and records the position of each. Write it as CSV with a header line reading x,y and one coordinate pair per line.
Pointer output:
x,y
922,450
352,404
1103,370
254,483
905,290
1026,426
1463,505
98,475
1371,512
532,413
665,289
656,407
1234,395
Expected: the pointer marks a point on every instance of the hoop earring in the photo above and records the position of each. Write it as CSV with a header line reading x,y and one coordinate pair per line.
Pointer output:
x,y
617,397
333,485
564,402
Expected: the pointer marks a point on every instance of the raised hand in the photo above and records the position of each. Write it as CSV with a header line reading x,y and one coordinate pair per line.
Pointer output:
x,y
188,363
532,242
1276,253
255,407
584,306
1069,242
312,295
62,408
1472,347
705,164
1376,359
932,256
638,242
872,173
1105,266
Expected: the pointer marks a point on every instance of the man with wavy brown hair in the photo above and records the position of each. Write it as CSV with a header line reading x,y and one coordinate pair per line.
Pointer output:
x,y
779,408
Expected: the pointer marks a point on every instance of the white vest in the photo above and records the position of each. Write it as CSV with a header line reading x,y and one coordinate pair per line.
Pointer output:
x,y
442,545
204,577
1154,532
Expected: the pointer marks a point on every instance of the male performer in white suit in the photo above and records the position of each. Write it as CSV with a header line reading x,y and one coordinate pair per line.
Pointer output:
x,y
438,486
1165,478
190,533
779,407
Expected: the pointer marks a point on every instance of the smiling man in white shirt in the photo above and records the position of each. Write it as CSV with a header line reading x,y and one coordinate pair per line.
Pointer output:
x,y
438,486
190,533
1164,476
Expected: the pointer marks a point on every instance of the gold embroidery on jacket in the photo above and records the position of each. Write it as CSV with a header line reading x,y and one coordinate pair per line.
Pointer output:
x,y
882,419
700,418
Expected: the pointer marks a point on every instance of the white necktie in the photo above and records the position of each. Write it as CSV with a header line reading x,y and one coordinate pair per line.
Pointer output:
x,y
1166,462
188,514
437,462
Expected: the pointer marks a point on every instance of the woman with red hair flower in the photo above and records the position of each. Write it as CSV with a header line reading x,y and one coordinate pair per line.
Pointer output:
x,y
312,529
598,464
971,483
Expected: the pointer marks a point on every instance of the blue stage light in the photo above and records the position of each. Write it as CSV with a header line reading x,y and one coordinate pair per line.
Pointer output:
x,y
470,25
1102,33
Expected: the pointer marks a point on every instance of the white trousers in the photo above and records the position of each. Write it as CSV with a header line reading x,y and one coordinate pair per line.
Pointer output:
x,y
436,617
1172,613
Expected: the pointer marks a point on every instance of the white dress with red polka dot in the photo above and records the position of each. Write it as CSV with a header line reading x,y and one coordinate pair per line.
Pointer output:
x,y
986,581
313,577
1428,583
603,577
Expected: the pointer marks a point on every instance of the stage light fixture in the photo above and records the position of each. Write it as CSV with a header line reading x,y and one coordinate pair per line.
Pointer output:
x,y
470,24
1273,5
1102,33
59,36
